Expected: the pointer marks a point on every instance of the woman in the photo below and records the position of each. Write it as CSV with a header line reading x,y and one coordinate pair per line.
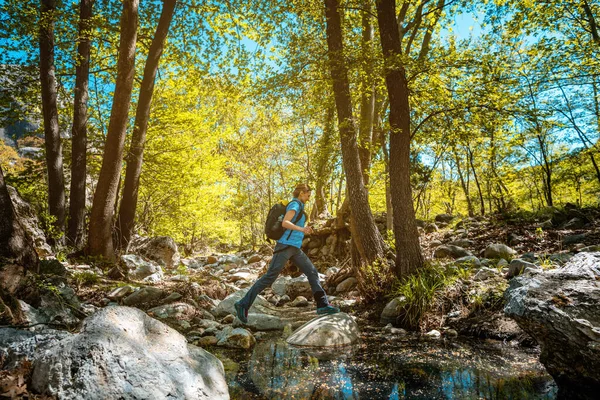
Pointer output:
x,y
288,248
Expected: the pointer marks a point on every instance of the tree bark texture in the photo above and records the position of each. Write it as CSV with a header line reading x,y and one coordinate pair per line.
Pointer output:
x,y
101,220
53,145
408,248
368,240
367,102
136,150
76,228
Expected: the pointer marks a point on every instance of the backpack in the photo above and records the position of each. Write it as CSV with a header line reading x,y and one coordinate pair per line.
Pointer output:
x,y
273,228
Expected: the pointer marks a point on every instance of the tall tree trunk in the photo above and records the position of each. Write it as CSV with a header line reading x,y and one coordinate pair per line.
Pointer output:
x,y
324,163
367,102
136,151
482,203
76,229
408,248
389,210
463,184
368,241
54,159
101,220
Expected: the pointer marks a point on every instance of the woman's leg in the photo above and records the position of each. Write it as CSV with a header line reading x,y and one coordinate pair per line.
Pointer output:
x,y
277,263
303,263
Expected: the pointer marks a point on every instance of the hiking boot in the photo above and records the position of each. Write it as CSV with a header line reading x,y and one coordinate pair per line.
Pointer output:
x,y
241,312
328,310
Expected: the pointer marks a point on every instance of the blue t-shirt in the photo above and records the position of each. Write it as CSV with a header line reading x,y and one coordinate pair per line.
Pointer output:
x,y
290,237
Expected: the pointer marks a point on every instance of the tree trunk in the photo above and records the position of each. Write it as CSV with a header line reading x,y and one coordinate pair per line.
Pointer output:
x,y
136,151
54,160
76,229
324,164
463,184
367,102
100,241
482,203
368,240
408,248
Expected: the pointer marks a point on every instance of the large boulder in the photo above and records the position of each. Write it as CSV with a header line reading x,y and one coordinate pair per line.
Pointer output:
x,y
161,249
499,250
393,310
123,353
19,345
139,268
29,220
559,308
326,331
226,306
450,251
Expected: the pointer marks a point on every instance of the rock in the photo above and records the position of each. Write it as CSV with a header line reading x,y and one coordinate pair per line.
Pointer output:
x,y
449,251
116,273
261,322
485,273
444,218
513,239
435,243
394,331
19,345
229,267
462,243
140,268
433,334
590,249
575,223
235,338
430,228
393,310
331,271
172,297
123,353
144,295
254,258
502,263
346,285
559,309
573,239
298,287
173,311
207,341
120,292
228,319
284,299
326,331
546,224
280,284
226,306
161,249
273,300
468,261
29,220
450,333
299,301
517,266
499,250
212,260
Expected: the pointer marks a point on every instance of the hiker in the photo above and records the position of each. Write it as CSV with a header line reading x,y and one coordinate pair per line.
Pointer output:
x,y
288,248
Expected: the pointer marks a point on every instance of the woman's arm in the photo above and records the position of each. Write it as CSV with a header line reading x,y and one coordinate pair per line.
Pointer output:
x,y
287,223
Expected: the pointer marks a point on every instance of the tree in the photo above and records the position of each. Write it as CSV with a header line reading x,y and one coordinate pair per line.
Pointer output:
x,y
135,157
408,253
366,237
101,220
76,228
54,159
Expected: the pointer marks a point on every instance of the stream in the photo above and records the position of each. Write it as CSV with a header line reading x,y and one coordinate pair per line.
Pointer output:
x,y
385,367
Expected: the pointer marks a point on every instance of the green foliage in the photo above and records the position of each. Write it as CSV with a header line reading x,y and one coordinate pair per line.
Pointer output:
x,y
85,278
419,290
376,279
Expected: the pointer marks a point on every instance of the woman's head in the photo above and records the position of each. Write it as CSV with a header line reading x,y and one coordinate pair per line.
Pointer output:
x,y
302,190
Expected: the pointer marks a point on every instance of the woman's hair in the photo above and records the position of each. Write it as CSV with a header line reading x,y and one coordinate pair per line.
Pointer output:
x,y
303,187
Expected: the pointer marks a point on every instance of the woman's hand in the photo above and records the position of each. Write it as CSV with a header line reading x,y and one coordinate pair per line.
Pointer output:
x,y
307,230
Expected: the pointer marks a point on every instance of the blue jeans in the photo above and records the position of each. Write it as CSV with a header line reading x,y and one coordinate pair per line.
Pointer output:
x,y
278,261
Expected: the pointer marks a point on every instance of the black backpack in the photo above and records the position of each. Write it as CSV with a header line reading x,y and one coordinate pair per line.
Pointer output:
x,y
273,228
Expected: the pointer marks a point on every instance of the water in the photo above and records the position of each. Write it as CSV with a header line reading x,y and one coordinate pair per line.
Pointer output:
x,y
385,368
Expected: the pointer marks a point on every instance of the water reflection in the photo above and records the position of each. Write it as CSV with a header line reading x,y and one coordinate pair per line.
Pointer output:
x,y
383,371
